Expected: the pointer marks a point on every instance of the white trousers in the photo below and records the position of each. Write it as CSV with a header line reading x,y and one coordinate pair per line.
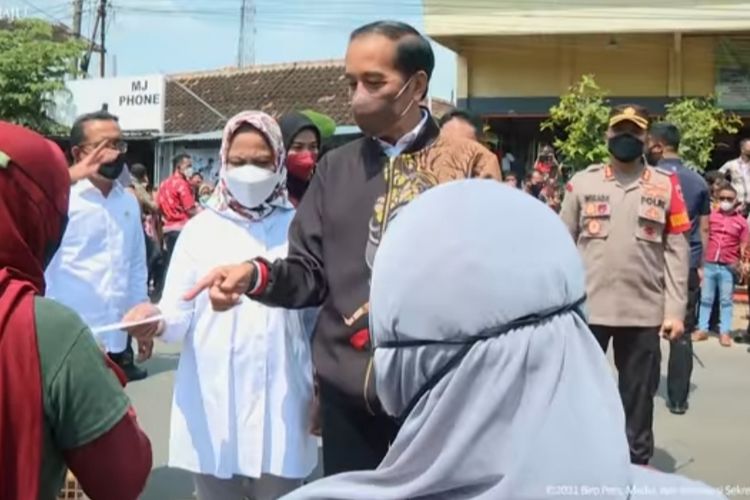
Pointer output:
x,y
243,488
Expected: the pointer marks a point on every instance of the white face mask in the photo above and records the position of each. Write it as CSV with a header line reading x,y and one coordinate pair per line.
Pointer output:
x,y
726,206
251,185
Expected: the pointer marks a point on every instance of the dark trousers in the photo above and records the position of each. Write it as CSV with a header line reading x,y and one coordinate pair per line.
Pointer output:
x,y
353,439
637,358
681,351
170,240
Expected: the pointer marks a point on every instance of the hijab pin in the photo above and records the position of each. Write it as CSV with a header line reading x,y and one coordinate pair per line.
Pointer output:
x,y
4,160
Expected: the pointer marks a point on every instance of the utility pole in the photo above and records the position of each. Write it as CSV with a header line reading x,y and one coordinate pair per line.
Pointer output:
x,y
103,53
241,39
246,41
77,15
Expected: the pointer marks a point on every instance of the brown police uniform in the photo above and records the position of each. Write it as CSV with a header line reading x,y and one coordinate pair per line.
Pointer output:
x,y
633,240
633,243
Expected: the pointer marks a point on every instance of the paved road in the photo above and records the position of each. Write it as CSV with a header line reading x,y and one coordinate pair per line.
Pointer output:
x,y
711,442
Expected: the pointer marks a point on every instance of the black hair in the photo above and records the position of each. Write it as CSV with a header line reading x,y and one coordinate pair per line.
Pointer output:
x,y
177,160
667,134
464,115
727,186
198,174
714,176
77,135
413,51
138,170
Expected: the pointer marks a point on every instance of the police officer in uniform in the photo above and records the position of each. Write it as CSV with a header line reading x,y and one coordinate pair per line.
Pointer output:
x,y
630,224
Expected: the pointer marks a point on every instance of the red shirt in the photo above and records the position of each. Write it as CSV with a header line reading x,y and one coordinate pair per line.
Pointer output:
x,y
176,201
726,234
544,167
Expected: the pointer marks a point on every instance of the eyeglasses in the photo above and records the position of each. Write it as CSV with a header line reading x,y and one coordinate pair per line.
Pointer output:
x,y
120,146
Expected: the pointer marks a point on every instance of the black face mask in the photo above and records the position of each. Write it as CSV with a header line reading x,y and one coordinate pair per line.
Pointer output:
x,y
625,147
466,346
112,170
535,190
652,158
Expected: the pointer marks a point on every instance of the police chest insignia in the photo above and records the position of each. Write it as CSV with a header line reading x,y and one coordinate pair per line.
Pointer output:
x,y
654,201
590,209
594,227
589,198
602,209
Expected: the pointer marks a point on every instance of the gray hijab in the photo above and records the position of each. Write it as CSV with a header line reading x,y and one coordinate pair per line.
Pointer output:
x,y
524,414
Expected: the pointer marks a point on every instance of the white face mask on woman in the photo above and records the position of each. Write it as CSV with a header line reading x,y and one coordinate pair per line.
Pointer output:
x,y
251,186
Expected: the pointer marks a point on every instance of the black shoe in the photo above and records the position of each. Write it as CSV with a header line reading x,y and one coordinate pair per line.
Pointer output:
x,y
125,362
742,338
677,409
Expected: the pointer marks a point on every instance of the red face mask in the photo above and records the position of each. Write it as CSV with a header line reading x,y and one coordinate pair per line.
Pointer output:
x,y
301,165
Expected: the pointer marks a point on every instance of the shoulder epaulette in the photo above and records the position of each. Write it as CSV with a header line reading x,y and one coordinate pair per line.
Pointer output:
x,y
594,168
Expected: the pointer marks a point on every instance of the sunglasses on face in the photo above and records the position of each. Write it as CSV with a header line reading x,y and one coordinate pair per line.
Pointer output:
x,y
120,146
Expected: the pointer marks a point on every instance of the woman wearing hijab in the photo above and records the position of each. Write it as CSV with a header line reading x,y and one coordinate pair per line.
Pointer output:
x,y
61,405
302,142
243,390
503,390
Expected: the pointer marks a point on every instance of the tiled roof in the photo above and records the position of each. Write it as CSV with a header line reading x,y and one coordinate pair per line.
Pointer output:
x,y
276,89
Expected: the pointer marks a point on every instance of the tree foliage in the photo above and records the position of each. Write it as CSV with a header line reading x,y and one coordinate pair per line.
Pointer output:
x,y
580,123
699,121
33,65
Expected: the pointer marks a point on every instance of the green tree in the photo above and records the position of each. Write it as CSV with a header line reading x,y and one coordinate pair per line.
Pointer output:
x,y
34,61
700,120
580,122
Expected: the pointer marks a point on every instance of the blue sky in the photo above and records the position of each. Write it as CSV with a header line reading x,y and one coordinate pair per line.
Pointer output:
x,y
170,36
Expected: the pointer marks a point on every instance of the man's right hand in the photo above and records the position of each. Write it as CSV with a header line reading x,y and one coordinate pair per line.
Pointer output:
x,y
147,331
225,285
90,163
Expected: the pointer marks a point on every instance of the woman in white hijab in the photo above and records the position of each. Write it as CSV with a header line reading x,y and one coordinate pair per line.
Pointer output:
x,y
482,350
243,389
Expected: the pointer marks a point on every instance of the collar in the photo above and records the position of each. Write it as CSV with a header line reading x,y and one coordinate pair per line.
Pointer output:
x,y
406,140
85,186
609,173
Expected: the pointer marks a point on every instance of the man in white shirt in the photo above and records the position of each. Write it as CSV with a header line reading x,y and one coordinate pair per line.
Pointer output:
x,y
100,269
738,171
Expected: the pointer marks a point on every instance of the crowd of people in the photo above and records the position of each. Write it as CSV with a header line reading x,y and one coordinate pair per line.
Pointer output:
x,y
366,297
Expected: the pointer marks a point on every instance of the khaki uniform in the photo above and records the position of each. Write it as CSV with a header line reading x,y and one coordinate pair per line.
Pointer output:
x,y
633,240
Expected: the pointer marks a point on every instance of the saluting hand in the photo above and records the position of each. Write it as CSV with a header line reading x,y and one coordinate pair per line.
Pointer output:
x,y
225,285
672,329
89,164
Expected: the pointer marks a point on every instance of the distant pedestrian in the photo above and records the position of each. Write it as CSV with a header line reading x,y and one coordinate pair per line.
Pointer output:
x,y
664,144
738,172
511,180
302,142
726,258
630,223
177,203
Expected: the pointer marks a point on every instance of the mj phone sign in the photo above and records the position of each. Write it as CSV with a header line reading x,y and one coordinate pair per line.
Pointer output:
x,y
138,102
